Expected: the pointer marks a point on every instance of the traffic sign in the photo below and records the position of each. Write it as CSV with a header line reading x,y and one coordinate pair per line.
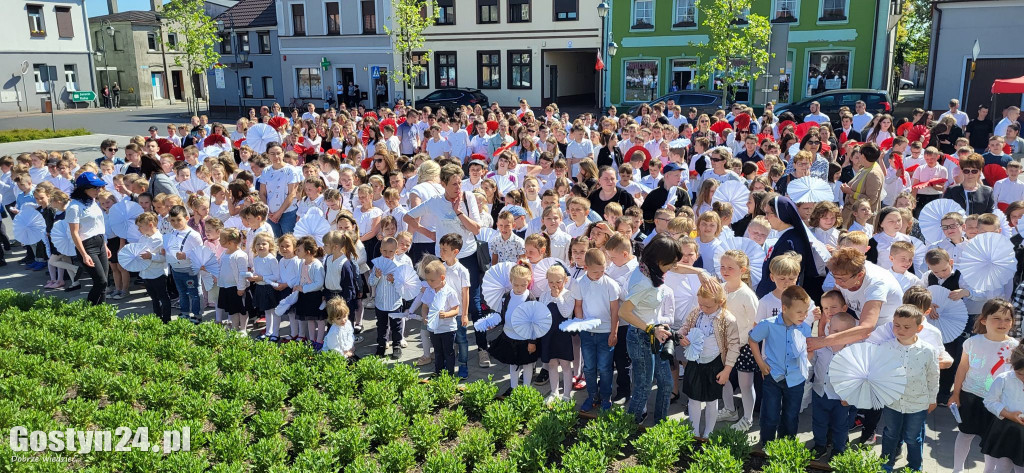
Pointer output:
x,y
375,72
324,63
83,96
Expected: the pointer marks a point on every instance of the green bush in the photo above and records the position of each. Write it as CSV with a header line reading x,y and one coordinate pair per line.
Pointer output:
x,y
268,454
856,459
348,444
385,424
28,134
425,435
378,394
738,443
640,469
396,457
526,400
475,445
495,465
787,454
661,446
266,423
583,458
416,400
344,412
609,432
502,421
452,422
716,459
363,464
304,432
444,462
478,395
443,388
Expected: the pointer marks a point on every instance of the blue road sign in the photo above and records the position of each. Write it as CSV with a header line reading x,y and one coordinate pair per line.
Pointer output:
x,y
375,72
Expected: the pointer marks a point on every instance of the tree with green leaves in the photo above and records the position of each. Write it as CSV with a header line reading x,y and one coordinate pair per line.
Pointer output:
x,y
410,18
913,36
737,46
197,36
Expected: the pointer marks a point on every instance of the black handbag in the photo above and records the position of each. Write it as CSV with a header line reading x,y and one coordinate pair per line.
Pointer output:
x,y
483,248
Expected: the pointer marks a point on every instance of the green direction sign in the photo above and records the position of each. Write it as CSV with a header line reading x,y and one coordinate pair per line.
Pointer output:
x,y
324,63
83,96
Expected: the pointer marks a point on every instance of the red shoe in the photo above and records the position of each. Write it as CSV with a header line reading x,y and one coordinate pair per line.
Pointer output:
x,y
579,383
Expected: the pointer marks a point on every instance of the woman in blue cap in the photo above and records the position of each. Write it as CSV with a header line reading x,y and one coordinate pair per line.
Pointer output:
x,y
85,220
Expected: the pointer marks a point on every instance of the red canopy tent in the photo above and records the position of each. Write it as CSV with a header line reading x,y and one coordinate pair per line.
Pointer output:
x,y
1008,86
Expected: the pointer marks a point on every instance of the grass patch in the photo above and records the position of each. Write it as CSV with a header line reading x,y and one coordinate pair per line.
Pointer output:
x,y
28,134
261,407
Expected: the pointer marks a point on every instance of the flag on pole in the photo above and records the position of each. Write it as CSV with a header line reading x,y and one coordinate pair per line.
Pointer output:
x,y
600,64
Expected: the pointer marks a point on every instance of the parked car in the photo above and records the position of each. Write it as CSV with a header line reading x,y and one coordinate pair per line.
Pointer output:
x,y
706,102
906,84
877,102
452,99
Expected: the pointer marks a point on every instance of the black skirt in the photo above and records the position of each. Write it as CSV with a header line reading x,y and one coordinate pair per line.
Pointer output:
x,y
308,306
976,419
113,244
1003,440
745,362
699,380
264,297
512,352
556,344
229,301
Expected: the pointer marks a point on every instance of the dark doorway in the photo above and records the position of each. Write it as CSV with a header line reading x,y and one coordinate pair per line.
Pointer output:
x,y
346,76
380,88
979,90
176,85
553,83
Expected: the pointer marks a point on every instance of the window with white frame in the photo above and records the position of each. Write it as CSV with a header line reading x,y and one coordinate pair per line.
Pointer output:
x,y
785,10
247,87
71,76
421,80
833,10
38,72
310,85
643,14
36,26
268,87
685,14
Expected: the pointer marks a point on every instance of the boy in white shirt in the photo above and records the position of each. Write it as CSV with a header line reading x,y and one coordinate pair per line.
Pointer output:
x,y
1009,189
597,297
930,170
901,254
623,263
578,209
579,147
458,278
154,277
440,307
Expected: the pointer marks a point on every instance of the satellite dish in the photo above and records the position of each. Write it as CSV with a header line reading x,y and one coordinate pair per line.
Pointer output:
x,y
24,67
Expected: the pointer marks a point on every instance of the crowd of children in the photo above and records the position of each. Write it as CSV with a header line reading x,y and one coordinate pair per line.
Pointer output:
x,y
336,223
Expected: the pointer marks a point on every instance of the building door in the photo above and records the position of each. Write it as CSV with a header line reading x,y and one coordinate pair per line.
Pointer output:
x,y
682,74
158,85
553,83
346,76
176,85
381,89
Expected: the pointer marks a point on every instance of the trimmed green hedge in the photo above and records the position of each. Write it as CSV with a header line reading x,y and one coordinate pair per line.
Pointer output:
x,y
28,134
262,407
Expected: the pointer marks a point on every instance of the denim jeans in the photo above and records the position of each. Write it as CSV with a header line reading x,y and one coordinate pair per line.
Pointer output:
x,y
597,357
188,293
780,409
907,428
830,415
647,367
285,225
475,277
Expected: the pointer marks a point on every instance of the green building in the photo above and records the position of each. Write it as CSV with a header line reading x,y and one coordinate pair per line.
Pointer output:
x,y
819,45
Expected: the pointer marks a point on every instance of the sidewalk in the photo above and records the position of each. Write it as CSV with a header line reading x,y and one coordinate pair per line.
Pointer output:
x,y
101,110
85,147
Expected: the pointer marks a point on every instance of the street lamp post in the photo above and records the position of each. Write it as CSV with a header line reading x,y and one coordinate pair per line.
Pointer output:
x,y
103,53
602,12
240,57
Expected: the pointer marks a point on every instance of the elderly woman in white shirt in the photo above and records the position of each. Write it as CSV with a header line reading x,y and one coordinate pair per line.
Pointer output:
x,y
86,224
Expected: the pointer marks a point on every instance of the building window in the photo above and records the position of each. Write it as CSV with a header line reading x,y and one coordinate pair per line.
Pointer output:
x,y
151,41
369,16
520,72
65,28
643,14
518,11
641,80
488,69
685,14
833,10
445,12
566,10
298,19
38,73
446,64
36,27
309,84
333,19
487,11
268,87
827,70
118,41
785,11
172,41
71,77
264,42
247,87
422,79
243,42
225,44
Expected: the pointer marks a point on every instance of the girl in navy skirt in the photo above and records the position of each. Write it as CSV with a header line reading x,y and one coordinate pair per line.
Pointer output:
x,y
519,355
556,348
266,274
309,307
986,355
1005,399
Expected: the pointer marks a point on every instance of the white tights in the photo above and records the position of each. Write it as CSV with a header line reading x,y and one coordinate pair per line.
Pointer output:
x,y
746,391
710,415
525,370
239,322
1001,465
316,330
425,341
298,328
553,366
577,357
273,323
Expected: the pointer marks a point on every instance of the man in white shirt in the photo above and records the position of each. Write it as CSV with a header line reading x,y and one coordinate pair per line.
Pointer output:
x,y
862,117
310,112
954,111
579,147
1009,189
815,114
1012,113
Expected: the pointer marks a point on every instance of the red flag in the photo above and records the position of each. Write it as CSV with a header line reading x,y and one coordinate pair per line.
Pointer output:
x,y
600,64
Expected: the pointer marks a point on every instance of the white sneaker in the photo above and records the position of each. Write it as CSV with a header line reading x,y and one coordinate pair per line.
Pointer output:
x,y
726,415
116,295
551,399
403,343
742,425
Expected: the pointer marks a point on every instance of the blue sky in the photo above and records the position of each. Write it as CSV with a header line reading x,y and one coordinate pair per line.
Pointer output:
x,y
99,7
